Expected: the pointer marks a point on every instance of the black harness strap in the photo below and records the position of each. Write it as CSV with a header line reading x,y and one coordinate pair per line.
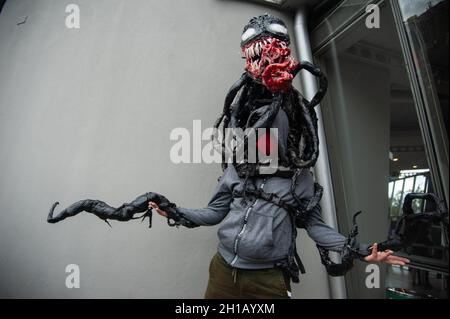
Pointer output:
x,y
294,264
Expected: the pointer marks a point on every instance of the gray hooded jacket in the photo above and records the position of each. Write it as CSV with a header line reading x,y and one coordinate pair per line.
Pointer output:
x,y
256,233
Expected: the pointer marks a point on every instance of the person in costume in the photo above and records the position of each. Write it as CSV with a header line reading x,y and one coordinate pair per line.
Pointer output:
x,y
259,212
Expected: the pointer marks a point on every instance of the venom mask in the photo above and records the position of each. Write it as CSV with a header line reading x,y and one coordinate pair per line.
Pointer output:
x,y
265,46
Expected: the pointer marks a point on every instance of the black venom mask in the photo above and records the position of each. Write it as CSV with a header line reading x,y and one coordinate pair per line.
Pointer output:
x,y
265,46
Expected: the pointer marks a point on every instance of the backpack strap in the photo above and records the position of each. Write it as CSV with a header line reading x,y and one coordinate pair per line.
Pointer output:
x,y
293,264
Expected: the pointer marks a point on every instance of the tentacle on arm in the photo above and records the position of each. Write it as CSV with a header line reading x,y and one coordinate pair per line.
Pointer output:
x,y
125,212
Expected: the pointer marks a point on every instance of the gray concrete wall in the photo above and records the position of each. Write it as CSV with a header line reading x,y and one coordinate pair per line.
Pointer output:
x,y
87,113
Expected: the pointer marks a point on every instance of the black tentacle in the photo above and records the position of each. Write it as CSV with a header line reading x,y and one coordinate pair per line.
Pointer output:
x,y
323,82
230,97
249,105
226,113
264,116
304,140
123,213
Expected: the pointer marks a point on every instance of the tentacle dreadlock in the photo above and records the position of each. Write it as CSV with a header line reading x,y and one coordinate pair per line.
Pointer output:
x,y
230,97
265,88
227,107
303,140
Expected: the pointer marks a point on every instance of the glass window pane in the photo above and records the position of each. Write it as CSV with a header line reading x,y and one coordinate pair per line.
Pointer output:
x,y
340,15
374,138
425,23
397,199
420,184
409,185
390,190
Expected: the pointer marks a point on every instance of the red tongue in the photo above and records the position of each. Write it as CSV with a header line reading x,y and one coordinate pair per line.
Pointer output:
x,y
275,66
277,77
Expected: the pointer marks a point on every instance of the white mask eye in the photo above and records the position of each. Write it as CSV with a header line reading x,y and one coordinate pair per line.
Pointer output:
x,y
248,34
278,28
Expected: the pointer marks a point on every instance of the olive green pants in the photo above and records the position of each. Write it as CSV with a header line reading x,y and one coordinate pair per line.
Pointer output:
x,y
226,282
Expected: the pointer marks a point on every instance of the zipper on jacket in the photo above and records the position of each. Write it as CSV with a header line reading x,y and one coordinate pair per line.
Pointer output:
x,y
244,226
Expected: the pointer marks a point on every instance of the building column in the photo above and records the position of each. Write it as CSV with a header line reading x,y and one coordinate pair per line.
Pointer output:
x,y
322,168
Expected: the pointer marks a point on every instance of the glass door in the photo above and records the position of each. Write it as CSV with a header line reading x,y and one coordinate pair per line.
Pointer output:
x,y
381,148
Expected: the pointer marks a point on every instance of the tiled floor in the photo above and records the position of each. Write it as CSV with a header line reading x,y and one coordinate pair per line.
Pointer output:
x,y
402,277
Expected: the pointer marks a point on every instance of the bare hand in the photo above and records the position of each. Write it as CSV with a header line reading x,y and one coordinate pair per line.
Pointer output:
x,y
153,205
385,256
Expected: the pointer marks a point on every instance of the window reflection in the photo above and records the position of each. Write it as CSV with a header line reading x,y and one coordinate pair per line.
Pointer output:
x,y
427,24
376,145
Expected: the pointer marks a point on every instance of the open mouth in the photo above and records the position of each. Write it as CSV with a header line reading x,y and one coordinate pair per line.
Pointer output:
x,y
253,50
269,60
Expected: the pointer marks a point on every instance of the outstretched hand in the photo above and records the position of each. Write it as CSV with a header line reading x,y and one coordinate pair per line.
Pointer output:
x,y
386,256
153,205
376,256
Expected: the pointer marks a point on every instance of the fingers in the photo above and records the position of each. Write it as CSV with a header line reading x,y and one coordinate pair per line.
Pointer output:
x,y
386,256
373,255
153,205
382,256
374,251
405,260
161,212
396,260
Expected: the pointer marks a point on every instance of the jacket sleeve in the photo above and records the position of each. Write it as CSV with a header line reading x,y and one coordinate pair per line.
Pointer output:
x,y
217,208
326,236
323,235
